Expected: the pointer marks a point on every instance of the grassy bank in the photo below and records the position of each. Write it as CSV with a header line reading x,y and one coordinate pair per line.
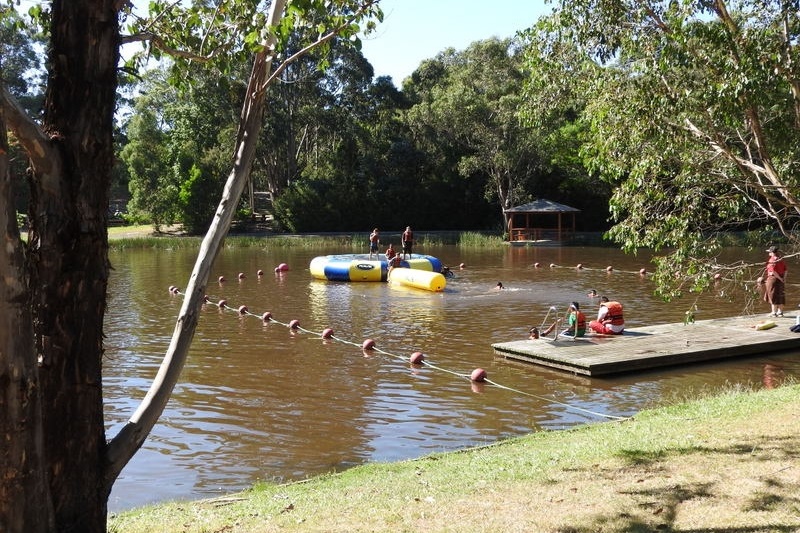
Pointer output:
x,y
727,463
139,237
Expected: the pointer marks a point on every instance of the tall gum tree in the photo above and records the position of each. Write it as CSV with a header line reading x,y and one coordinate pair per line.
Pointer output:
x,y
56,466
691,110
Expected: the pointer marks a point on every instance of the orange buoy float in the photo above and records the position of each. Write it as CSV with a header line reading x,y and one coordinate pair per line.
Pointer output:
x,y
416,358
222,303
368,344
294,324
242,309
478,375
266,317
327,333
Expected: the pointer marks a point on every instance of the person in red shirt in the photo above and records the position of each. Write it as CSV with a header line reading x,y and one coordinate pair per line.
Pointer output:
x,y
775,281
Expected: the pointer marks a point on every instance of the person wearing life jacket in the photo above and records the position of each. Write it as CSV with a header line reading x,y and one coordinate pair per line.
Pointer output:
x,y
610,320
576,324
390,253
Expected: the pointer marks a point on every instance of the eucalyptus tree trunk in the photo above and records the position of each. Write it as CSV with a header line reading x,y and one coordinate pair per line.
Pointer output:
x,y
54,288
22,453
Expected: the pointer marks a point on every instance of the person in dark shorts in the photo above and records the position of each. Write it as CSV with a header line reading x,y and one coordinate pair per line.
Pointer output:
x,y
374,241
408,241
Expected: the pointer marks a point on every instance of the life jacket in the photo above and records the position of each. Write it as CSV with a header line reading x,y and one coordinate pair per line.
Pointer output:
x,y
580,323
614,315
390,253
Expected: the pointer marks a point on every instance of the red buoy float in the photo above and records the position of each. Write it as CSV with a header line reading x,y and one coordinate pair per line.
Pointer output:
x,y
283,267
221,279
478,375
294,324
416,358
260,272
241,275
327,333
222,303
242,309
266,317
368,344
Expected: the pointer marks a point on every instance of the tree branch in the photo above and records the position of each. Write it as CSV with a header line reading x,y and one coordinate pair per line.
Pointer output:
x,y
33,139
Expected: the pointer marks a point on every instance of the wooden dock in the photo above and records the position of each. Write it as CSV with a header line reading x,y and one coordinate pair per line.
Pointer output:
x,y
656,346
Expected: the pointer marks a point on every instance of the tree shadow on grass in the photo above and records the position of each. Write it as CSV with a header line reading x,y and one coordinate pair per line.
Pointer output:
x,y
656,508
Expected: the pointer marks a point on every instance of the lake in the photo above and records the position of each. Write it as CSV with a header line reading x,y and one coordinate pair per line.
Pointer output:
x,y
261,401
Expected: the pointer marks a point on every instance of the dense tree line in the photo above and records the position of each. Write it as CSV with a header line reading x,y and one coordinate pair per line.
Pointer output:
x,y
343,151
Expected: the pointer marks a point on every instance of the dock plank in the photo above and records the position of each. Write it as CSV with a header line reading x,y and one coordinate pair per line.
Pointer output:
x,y
655,346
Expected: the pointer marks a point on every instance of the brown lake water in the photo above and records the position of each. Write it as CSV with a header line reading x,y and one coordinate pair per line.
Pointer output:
x,y
263,402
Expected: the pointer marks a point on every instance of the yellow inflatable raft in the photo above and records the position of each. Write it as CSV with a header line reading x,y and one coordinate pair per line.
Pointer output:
x,y
419,279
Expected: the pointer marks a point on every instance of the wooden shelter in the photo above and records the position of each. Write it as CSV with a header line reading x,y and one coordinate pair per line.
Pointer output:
x,y
542,220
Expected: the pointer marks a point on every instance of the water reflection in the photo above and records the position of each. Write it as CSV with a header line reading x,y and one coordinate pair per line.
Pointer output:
x,y
259,401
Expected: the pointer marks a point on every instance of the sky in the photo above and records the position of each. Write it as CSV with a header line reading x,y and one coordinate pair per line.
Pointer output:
x,y
415,30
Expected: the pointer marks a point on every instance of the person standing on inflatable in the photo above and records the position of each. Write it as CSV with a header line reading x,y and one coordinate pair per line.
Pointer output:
x,y
374,240
408,241
775,282
609,318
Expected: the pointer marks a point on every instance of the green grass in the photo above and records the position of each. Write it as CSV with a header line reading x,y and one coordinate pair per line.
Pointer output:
x,y
709,464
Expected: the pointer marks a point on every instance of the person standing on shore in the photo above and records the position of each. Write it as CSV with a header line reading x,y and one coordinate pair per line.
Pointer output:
x,y
775,281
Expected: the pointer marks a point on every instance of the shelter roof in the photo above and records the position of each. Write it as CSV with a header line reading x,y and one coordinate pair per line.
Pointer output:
x,y
542,206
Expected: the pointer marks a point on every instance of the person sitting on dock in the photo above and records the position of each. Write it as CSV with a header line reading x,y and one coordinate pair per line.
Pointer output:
x,y
576,324
610,320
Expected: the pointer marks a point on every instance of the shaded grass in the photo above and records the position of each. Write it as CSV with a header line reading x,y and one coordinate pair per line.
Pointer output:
x,y
722,463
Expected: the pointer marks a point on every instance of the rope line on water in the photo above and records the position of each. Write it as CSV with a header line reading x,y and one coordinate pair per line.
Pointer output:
x,y
369,345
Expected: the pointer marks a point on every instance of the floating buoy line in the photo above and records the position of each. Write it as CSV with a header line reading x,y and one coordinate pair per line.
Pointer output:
x,y
417,358
580,266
